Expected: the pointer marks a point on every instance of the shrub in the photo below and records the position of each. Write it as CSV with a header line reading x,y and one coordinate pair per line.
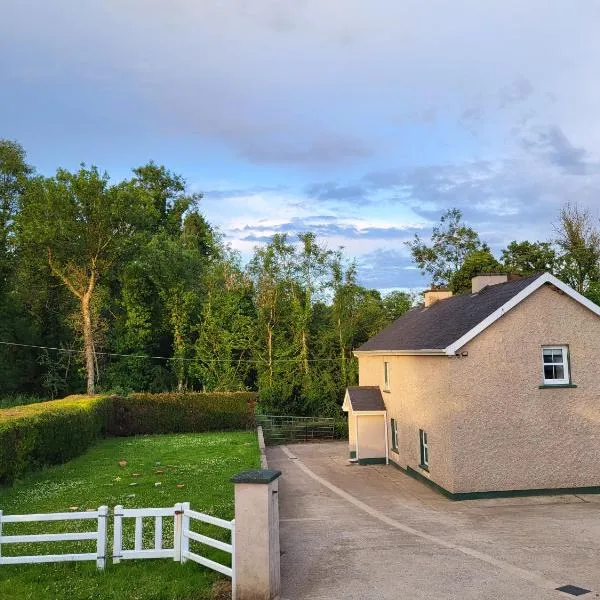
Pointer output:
x,y
36,435
47,433
183,412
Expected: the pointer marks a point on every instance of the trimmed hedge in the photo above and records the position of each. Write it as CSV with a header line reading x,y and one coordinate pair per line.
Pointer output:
x,y
185,412
48,433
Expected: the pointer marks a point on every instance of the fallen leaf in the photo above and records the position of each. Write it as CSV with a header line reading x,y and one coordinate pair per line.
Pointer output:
x,y
180,485
131,495
157,484
159,471
123,463
135,474
73,507
133,483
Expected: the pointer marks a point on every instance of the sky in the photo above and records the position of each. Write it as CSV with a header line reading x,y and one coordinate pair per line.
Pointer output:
x,y
362,121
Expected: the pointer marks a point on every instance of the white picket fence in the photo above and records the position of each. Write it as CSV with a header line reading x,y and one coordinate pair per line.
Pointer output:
x,y
99,535
181,514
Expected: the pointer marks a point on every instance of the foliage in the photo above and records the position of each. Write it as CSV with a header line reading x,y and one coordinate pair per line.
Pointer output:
x,y
527,258
578,238
180,413
202,463
48,433
451,242
476,262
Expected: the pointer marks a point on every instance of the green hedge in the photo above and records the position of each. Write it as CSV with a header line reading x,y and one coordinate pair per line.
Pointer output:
x,y
180,413
48,433
37,435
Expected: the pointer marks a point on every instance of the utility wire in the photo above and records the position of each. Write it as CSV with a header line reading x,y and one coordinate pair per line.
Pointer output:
x,y
245,360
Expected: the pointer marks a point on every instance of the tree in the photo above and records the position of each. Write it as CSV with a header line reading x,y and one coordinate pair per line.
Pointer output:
x,y
396,303
91,226
527,258
451,242
476,262
578,239
226,332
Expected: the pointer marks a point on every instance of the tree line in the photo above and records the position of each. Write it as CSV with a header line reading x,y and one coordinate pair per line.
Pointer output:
x,y
121,286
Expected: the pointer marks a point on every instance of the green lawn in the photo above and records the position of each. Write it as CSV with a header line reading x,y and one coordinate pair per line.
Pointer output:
x,y
202,463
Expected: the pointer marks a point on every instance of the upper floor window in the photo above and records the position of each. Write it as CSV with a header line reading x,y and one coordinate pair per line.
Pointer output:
x,y
556,365
386,375
424,449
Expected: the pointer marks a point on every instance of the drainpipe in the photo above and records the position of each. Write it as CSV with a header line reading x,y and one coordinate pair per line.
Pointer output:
x,y
387,446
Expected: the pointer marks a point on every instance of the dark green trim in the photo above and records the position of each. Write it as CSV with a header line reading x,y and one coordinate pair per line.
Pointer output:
x,y
424,467
262,476
372,461
594,489
352,453
558,385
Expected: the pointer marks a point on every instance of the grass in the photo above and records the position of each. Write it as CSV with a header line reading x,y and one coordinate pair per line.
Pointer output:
x,y
202,463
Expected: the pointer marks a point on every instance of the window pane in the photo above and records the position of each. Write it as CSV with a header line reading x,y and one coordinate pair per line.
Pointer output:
x,y
559,372
548,372
547,356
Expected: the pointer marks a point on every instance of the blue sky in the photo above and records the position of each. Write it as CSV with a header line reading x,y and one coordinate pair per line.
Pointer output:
x,y
362,121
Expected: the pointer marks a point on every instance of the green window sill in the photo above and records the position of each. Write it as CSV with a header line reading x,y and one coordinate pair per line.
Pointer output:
x,y
386,391
558,385
424,467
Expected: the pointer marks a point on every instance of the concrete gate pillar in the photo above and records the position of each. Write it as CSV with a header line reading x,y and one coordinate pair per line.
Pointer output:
x,y
256,536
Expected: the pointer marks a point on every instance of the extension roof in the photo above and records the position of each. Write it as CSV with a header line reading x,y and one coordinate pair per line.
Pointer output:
x,y
445,326
365,398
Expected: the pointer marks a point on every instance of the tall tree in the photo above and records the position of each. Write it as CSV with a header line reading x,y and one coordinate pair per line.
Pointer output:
x,y
90,228
476,262
451,242
578,238
527,258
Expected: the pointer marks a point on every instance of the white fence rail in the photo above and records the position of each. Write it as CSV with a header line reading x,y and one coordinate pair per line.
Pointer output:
x,y
180,551
99,535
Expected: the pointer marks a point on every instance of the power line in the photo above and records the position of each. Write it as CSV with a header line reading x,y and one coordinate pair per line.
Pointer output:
x,y
173,358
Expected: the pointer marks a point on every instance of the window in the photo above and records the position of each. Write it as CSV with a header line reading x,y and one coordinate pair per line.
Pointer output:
x,y
424,449
386,376
394,425
556,365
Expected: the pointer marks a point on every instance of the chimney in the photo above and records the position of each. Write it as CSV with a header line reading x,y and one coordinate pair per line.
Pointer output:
x,y
433,296
480,281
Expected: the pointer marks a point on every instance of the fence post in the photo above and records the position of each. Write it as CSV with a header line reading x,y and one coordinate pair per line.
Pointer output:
x,y
255,557
177,533
101,543
118,534
233,570
185,526
1,513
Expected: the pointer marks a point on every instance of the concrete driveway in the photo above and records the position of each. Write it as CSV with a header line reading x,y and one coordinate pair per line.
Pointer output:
x,y
371,532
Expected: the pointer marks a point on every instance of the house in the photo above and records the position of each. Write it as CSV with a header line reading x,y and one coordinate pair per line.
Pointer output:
x,y
493,393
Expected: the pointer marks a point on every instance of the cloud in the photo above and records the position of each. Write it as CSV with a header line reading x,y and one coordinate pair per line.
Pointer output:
x,y
328,149
554,145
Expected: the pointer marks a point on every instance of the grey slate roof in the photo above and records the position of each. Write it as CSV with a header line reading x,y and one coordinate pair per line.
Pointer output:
x,y
442,323
366,398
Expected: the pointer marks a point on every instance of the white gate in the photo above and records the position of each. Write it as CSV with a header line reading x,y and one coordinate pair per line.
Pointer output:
x,y
182,516
99,535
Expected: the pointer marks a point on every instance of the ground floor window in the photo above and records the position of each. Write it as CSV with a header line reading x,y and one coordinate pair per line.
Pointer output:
x,y
394,425
424,448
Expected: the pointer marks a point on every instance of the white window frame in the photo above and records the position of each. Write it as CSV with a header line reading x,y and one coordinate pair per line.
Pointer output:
x,y
423,448
386,376
565,364
394,429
